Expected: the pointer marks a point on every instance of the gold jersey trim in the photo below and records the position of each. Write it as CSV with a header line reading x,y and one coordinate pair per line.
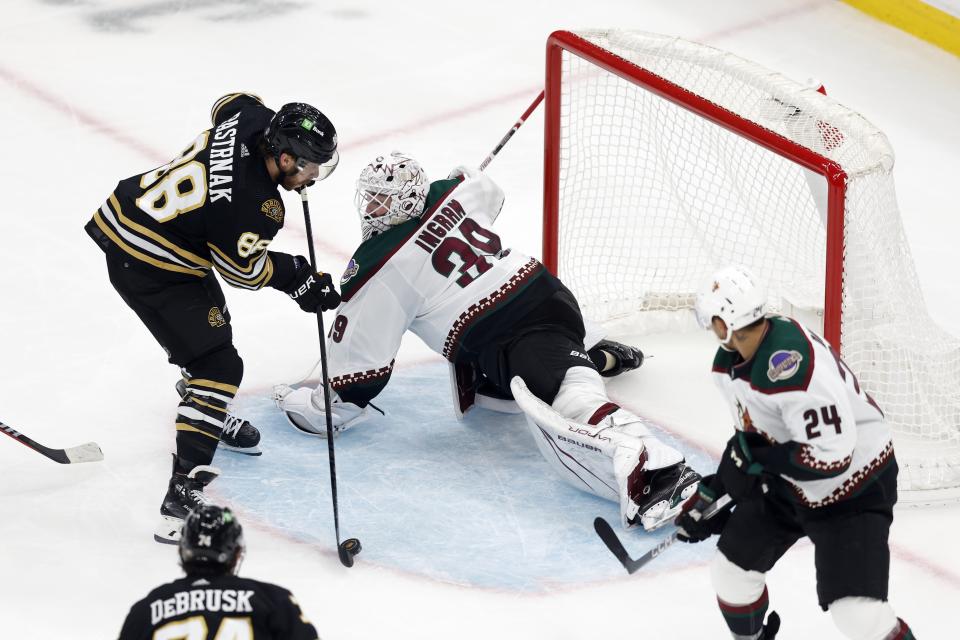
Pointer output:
x,y
229,261
227,99
257,283
160,264
156,237
222,386
182,426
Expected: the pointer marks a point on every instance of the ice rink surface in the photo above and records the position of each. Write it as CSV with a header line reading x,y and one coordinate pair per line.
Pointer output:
x,y
465,533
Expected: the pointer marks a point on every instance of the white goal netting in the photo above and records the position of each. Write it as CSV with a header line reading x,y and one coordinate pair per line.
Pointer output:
x,y
653,197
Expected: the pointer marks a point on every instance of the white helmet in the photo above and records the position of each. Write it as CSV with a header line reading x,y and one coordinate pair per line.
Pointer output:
x,y
390,191
735,296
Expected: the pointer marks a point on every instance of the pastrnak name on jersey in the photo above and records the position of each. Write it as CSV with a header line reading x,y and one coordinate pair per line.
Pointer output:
x,y
214,600
221,158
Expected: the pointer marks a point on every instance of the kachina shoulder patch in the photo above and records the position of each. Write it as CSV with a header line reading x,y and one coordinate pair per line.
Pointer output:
x,y
783,365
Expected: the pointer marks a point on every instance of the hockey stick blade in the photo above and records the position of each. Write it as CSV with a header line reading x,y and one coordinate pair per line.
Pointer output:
x,y
89,452
609,537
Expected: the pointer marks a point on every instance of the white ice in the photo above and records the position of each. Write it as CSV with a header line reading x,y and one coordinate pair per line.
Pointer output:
x,y
465,535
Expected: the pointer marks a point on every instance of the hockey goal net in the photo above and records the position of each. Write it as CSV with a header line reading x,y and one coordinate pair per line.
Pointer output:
x,y
667,159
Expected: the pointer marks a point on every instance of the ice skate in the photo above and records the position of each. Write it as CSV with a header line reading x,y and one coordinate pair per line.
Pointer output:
x,y
626,358
238,434
659,494
184,493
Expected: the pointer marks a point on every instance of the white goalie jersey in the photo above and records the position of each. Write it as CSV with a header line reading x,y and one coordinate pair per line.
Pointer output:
x,y
436,276
443,276
830,437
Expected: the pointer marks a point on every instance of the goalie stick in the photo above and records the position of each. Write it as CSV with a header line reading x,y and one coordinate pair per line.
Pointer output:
x,y
89,452
609,537
513,130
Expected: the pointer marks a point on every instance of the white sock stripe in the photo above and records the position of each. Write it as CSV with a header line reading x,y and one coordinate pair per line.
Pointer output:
x,y
203,391
193,414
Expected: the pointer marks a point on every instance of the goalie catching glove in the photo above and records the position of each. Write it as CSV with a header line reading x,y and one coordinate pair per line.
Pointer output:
x,y
304,410
313,291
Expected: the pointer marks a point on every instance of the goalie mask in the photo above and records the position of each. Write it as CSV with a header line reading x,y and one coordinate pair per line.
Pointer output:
x,y
390,191
735,296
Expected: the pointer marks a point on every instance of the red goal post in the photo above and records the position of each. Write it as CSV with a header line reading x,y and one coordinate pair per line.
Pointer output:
x,y
666,159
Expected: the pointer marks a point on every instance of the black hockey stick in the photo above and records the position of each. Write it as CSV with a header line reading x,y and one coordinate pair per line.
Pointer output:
x,y
606,533
89,452
350,547
513,130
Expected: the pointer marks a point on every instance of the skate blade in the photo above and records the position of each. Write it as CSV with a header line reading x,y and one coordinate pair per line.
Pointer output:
x,y
168,531
665,517
248,451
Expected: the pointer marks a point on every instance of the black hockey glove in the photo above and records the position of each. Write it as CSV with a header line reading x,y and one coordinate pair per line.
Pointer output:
x,y
693,526
741,471
313,291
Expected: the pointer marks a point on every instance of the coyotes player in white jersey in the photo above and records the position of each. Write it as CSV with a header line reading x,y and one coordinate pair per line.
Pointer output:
x,y
811,456
430,263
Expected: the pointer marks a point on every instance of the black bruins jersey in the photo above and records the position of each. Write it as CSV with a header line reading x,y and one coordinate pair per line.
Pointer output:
x,y
213,206
195,608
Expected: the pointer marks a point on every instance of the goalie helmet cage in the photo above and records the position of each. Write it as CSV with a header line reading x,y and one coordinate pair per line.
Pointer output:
x,y
666,159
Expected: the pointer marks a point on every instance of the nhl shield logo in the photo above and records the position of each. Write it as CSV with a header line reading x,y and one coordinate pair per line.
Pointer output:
x,y
273,209
215,318
783,365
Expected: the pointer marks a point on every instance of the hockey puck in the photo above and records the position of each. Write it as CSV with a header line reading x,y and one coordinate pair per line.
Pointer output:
x,y
347,550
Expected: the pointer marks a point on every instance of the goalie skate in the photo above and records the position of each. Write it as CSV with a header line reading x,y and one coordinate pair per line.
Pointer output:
x,y
625,357
658,494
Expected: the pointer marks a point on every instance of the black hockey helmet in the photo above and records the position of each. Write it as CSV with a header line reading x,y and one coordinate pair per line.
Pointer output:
x,y
302,131
211,541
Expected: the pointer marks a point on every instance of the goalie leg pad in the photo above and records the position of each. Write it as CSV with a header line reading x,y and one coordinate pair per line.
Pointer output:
x,y
302,412
582,396
605,459
580,454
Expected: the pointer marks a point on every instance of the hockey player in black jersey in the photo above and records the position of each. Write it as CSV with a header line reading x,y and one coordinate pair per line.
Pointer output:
x,y
215,207
212,601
